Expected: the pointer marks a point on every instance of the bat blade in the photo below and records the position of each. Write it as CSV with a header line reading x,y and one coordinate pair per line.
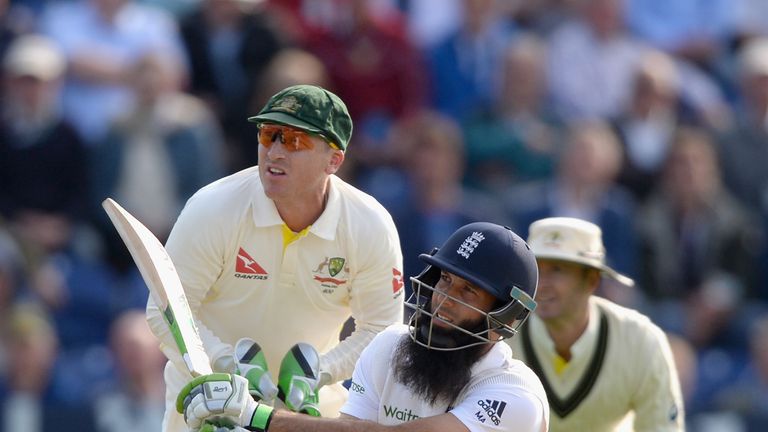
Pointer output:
x,y
164,285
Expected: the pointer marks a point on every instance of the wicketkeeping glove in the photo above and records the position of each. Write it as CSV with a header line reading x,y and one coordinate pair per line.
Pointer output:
x,y
252,365
298,379
221,400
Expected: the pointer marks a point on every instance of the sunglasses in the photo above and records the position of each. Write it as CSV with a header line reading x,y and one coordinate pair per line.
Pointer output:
x,y
293,139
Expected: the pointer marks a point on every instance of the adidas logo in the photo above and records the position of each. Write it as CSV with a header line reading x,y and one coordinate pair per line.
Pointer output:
x,y
493,409
247,268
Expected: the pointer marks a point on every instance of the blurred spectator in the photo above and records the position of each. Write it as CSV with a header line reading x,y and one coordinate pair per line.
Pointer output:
x,y
584,187
373,67
744,149
518,140
136,402
42,159
101,40
699,245
541,16
11,279
647,123
30,399
431,21
464,68
748,394
167,142
433,202
592,61
291,66
8,30
684,355
691,29
750,19
302,20
229,44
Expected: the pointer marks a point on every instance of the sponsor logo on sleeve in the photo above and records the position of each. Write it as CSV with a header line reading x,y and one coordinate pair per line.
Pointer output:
x,y
397,282
490,410
357,388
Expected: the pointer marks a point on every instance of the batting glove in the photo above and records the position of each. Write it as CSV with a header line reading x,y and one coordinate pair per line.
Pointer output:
x,y
221,400
298,379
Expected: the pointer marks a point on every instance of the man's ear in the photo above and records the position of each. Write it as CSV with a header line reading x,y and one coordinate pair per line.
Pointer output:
x,y
337,158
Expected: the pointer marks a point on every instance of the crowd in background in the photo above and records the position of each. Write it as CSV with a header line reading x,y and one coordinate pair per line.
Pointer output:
x,y
646,117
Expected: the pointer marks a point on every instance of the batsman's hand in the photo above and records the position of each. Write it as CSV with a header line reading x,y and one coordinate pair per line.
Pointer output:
x,y
210,427
298,379
221,400
252,365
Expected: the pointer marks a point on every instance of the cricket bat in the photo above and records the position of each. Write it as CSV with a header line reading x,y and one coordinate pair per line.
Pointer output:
x,y
164,285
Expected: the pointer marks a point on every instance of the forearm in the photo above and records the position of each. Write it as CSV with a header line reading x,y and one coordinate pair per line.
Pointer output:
x,y
340,361
286,421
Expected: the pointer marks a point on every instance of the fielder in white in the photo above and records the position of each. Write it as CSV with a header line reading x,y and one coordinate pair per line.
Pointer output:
x,y
284,253
444,372
599,362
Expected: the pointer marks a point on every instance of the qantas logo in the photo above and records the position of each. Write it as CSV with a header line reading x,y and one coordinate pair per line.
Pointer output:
x,y
247,268
491,408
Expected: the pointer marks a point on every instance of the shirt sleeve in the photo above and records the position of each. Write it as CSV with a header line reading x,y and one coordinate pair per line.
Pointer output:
x,y
367,382
658,403
498,406
197,254
376,297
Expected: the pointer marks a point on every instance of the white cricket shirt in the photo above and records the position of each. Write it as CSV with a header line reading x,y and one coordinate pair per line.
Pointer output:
x,y
627,367
503,393
240,281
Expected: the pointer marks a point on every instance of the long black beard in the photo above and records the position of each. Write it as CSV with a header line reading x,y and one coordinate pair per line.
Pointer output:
x,y
436,376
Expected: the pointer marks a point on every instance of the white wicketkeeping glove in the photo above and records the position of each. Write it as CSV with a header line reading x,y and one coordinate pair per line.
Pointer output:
x,y
223,400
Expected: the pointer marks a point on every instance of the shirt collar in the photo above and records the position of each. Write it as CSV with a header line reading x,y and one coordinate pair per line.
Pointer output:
x,y
265,212
584,344
325,226
497,356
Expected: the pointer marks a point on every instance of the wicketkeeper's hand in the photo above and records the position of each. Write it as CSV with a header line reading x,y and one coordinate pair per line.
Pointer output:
x,y
252,365
298,379
222,400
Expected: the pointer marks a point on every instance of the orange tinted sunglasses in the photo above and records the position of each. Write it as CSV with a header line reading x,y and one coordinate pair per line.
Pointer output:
x,y
293,139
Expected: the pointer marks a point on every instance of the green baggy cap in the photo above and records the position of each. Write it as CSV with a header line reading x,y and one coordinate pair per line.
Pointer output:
x,y
309,108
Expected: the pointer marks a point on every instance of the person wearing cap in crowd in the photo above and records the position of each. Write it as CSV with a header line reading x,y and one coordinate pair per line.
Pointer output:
x,y
43,165
282,253
599,362
42,158
442,372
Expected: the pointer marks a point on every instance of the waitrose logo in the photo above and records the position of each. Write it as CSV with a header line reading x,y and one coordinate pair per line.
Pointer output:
x,y
399,413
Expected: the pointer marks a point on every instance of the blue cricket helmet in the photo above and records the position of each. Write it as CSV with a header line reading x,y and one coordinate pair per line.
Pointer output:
x,y
493,258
